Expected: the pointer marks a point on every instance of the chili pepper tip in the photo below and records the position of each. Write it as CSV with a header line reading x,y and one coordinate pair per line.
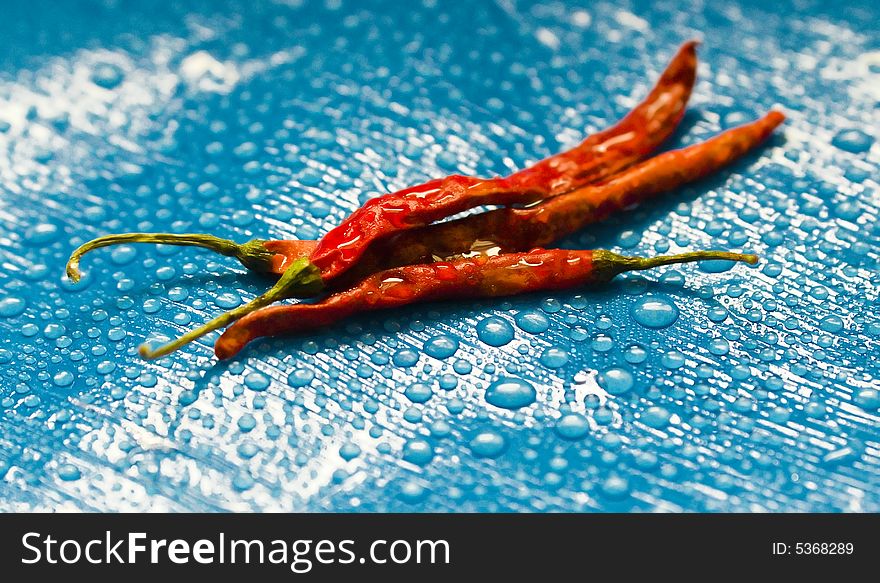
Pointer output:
x,y
253,254
610,264
301,279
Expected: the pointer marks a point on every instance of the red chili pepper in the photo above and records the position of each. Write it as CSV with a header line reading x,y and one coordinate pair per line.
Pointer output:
x,y
515,228
633,137
597,157
570,189
483,276
520,229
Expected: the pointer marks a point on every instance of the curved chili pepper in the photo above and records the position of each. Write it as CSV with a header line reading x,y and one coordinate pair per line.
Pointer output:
x,y
510,229
602,154
483,276
520,229
301,275
597,157
570,190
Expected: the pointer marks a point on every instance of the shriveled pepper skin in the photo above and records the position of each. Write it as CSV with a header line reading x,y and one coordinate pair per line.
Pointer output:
x,y
478,277
602,154
597,157
566,214
287,251
519,229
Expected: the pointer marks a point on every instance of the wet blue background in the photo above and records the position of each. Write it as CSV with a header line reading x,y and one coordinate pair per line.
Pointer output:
x,y
276,119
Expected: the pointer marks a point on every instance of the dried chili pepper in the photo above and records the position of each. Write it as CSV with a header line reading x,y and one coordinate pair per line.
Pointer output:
x,y
252,254
602,154
568,191
300,276
520,229
509,228
597,157
483,276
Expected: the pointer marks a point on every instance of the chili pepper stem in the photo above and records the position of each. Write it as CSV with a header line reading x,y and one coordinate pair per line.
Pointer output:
x,y
301,278
252,254
610,264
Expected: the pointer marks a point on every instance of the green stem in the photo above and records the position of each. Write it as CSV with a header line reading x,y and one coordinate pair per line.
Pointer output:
x,y
608,264
252,254
302,278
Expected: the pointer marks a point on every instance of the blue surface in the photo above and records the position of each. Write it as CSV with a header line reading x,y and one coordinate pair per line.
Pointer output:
x,y
697,389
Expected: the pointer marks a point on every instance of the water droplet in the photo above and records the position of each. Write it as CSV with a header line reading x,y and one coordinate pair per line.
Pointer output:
x,y
603,416
815,410
300,377
717,313
868,399
853,141
719,346
441,347
349,451
405,358
488,444
448,381
635,353
616,381
572,426
123,254
63,379
187,398
495,331
716,265
68,472
413,492
41,234
256,381
779,415
11,306
656,417
629,239
602,343
831,324
532,321
554,357
615,486
412,415
511,393
418,451
165,273
673,359
242,482
418,393
654,311
107,75
227,300
178,294
247,422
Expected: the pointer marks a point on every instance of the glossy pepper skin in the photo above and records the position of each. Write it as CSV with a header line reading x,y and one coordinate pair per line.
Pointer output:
x,y
478,277
597,157
519,229
602,154
561,195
